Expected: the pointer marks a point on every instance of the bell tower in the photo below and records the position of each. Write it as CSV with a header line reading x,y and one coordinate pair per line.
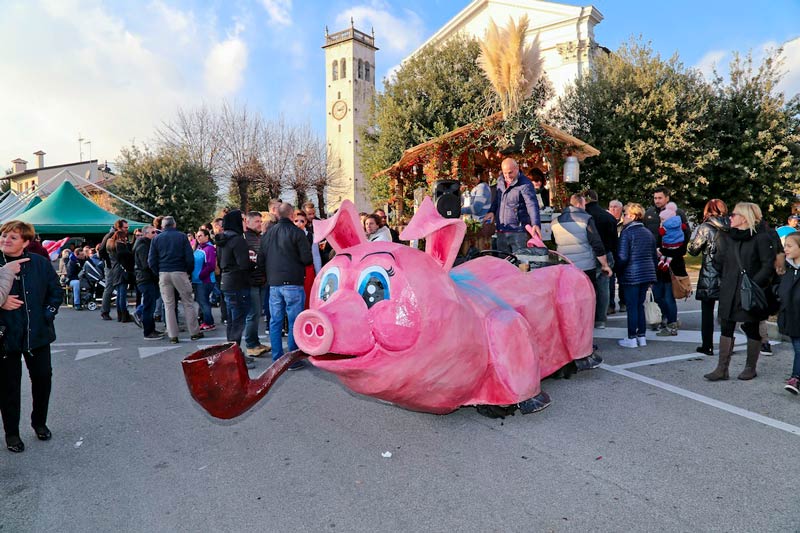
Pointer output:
x,y
349,91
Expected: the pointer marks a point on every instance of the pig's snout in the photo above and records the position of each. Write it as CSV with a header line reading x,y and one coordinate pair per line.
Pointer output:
x,y
313,332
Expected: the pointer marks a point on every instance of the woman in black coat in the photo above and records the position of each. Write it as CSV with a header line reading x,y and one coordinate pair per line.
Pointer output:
x,y
706,241
789,315
752,247
27,316
122,263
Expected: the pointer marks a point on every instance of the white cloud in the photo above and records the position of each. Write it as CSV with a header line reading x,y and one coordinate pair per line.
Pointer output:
x,y
279,11
790,84
711,61
74,66
225,65
399,34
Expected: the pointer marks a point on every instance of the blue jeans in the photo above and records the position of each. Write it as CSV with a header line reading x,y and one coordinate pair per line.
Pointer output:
x,y
662,292
203,295
145,310
634,298
284,300
75,285
253,317
122,298
237,303
511,242
796,365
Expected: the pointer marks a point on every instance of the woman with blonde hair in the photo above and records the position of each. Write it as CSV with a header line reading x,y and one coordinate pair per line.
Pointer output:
x,y
636,270
746,248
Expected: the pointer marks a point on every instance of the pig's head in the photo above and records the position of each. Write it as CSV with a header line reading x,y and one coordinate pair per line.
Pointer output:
x,y
386,318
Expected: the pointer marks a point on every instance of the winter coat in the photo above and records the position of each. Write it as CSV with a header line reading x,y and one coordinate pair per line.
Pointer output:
x,y
122,262
757,253
606,226
577,238
206,274
170,251
285,253
652,221
706,241
258,278
31,325
74,266
515,205
789,295
143,272
233,255
636,256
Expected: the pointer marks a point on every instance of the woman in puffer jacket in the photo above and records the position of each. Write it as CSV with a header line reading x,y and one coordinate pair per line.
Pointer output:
x,y
636,270
706,241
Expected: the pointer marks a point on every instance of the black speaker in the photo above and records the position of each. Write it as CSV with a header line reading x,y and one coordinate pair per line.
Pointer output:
x,y
447,198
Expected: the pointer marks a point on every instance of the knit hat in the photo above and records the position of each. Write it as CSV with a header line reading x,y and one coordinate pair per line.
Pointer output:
x,y
670,210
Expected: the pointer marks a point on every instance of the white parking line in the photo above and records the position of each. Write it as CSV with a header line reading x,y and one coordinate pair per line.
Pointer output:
x,y
661,360
620,316
95,343
771,422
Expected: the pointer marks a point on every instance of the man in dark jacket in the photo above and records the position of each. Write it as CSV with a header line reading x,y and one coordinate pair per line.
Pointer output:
x,y
147,283
233,258
172,260
285,253
108,291
258,282
514,206
607,228
652,221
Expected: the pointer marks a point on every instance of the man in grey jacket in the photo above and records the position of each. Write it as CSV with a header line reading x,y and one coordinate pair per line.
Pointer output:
x,y
577,238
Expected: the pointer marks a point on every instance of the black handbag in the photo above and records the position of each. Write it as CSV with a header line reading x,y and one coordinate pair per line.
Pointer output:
x,y
752,297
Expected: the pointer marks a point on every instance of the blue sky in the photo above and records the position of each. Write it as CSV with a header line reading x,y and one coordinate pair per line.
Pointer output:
x,y
113,70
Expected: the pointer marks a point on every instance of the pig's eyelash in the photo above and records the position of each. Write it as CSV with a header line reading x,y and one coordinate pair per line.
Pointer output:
x,y
390,272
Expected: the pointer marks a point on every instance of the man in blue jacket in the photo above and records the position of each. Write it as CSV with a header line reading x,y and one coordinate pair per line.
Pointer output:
x,y
172,260
514,206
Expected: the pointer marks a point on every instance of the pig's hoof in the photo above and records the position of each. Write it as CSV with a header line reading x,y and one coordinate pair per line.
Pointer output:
x,y
589,362
496,411
534,405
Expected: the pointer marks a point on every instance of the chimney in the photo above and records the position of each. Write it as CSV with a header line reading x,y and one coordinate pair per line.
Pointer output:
x,y
20,165
39,159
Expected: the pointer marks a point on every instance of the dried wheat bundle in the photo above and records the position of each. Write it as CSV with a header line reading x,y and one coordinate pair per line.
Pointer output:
x,y
510,66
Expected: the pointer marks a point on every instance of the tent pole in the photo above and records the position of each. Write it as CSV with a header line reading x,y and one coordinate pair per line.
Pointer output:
x,y
126,202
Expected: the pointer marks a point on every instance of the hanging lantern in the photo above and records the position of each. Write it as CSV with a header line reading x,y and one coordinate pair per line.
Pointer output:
x,y
571,169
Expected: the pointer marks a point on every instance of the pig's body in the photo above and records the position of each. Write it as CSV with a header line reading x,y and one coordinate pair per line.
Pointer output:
x,y
397,324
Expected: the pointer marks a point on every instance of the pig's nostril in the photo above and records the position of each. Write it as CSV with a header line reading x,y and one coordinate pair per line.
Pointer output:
x,y
320,331
308,329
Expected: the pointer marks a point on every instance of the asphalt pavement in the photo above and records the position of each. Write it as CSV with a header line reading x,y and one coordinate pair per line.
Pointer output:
x,y
643,443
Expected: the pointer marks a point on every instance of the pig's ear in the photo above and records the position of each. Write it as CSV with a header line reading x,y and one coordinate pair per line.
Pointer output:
x,y
342,230
443,236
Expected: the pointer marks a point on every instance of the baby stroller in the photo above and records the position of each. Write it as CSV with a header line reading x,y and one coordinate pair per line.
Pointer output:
x,y
92,285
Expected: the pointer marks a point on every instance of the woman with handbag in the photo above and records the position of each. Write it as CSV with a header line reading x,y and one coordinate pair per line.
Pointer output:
x,y
706,242
27,319
745,260
635,265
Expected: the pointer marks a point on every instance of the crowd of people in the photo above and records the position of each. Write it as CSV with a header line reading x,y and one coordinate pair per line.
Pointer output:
x,y
255,265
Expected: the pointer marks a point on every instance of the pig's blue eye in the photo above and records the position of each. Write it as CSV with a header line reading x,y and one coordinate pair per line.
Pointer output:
x,y
373,285
330,284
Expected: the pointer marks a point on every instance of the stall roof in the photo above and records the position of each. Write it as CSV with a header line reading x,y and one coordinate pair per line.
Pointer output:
x,y
68,212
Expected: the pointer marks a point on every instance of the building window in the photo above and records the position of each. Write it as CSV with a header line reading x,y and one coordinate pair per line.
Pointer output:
x,y
335,70
360,69
344,68
366,71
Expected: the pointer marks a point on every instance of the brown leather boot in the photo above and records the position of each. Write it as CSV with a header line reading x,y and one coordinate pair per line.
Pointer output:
x,y
753,350
725,351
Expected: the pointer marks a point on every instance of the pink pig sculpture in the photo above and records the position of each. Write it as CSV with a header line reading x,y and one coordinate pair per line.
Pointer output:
x,y
402,325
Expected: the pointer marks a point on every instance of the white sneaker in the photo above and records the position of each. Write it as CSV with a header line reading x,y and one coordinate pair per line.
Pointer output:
x,y
641,341
627,343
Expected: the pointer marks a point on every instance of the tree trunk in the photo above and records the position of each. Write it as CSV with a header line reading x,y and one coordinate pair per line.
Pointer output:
x,y
321,202
301,197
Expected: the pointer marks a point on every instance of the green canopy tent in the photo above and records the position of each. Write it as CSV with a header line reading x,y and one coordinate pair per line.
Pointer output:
x,y
68,212
33,203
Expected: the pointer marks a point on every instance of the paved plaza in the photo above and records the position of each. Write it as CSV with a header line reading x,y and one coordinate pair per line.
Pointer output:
x,y
643,443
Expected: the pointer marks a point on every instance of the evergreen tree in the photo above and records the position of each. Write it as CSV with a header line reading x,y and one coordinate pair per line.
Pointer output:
x,y
164,183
